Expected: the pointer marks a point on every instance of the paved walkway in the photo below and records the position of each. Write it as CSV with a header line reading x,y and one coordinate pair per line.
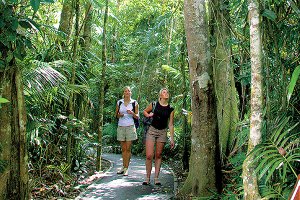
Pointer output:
x,y
115,186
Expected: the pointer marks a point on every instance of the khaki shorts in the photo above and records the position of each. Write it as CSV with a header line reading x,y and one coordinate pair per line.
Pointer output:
x,y
156,134
126,133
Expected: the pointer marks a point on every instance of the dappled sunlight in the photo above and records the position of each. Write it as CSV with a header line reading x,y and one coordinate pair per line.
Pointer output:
x,y
116,186
152,197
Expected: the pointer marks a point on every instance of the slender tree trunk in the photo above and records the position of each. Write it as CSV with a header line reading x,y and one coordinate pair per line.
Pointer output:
x,y
101,90
170,39
226,94
202,178
186,135
70,139
251,189
14,179
87,30
115,37
82,100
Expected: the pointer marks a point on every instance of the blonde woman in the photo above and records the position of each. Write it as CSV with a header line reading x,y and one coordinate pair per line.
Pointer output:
x,y
163,118
127,109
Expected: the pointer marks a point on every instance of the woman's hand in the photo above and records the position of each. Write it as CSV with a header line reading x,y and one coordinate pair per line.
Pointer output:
x,y
150,114
172,143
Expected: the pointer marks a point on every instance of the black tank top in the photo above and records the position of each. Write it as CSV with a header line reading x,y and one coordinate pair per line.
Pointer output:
x,y
161,116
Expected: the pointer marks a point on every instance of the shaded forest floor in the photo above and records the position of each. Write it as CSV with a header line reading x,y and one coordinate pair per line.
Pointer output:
x,y
56,185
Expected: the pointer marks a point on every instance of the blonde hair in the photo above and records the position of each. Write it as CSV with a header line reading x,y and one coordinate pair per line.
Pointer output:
x,y
125,88
160,92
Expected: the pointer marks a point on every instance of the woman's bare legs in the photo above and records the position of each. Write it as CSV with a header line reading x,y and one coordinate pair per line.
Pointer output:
x,y
126,152
149,158
126,155
158,159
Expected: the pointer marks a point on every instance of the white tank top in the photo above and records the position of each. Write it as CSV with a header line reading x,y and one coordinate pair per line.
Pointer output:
x,y
127,119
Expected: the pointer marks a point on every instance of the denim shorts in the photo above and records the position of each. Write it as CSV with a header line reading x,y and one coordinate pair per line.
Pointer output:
x,y
156,134
126,133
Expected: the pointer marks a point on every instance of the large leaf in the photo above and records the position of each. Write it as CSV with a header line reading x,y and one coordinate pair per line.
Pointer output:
x,y
3,100
278,152
293,82
269,14
35,4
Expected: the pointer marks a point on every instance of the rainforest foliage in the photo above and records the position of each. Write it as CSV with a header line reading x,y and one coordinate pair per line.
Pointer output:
x,y
66,54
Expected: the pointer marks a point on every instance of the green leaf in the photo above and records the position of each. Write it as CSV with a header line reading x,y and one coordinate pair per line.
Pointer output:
x,y
14,24
277,133
24,23
269,14
293,82
265,153
294,6
35,4
9,56
268,165
285,135
28,43
11,37
272,170
3,100
47,1
2,65
2,24
263,163
13,1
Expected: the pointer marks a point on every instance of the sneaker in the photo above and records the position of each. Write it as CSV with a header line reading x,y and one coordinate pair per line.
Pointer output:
x,y
121,171
125,172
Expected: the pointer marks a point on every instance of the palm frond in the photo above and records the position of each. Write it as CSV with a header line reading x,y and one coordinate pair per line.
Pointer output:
x,y
272,192
43,77
279,151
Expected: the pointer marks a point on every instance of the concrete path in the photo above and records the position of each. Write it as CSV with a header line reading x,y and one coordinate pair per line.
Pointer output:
x,y
115,186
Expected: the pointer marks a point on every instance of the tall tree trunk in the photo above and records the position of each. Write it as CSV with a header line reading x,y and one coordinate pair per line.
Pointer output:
x,y
251,189
13,150
66,20
101,90
87,30
70,139
14,179
202,178
226,94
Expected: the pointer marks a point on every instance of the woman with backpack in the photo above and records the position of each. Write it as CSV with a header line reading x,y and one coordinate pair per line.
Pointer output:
x,y
126,111
162,119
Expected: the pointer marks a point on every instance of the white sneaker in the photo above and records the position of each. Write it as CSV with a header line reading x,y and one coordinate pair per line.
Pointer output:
x,y
125,172
121,171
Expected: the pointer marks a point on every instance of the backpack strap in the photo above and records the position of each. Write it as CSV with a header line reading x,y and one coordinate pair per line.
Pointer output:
x,y
133,106
153,106
120,102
